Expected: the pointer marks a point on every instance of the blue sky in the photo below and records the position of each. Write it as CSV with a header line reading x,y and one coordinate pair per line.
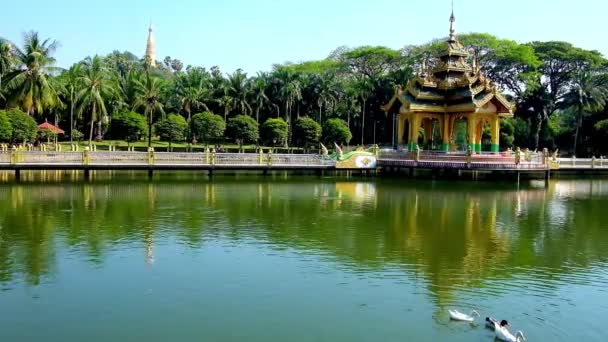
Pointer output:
x,y
254,34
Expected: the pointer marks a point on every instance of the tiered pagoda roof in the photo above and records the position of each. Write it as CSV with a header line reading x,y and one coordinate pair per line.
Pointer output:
x,y
452,85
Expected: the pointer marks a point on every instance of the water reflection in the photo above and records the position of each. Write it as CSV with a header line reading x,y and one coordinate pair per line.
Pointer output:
x,y
453,236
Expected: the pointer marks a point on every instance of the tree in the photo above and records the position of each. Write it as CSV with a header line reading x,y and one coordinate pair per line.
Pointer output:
x,y
6,59
274,132
336,131
172,128
6,129
560,63
208,127
258,89
150,100
24,126
194,91
96,86
31,87
589,93
238,91
243,129
507,133
129,126
306,133
70,83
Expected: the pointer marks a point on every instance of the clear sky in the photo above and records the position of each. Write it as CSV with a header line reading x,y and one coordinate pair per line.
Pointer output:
x,y
254,34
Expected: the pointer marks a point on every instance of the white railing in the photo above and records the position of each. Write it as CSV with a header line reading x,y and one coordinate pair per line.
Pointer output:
x,y
582,163
106,158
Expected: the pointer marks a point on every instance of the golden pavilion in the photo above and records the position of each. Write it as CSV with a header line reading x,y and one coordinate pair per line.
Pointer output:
x,y
446,90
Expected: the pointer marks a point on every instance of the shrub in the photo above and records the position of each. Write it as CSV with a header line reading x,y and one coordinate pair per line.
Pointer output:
x,y
243,129
25,128
6,129
336,131
274,132
208,127
172,128
306,133
129,126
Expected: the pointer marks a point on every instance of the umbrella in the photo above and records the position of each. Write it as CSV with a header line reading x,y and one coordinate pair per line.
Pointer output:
x,y
50,128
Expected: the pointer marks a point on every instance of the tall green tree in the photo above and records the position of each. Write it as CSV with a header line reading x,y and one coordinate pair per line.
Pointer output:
x,y
6,59
208,127
97,85
31,85
588,93
172,129
151,101
243,129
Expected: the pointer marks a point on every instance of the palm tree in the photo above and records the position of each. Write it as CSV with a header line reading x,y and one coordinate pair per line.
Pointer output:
x,y
6,59
258,90
70,86
193,90
96,86
150,100
31,87
589,93
238,90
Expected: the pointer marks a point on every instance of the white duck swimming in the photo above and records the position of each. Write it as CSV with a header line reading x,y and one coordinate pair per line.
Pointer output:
x,y
503,334
456,315
492,322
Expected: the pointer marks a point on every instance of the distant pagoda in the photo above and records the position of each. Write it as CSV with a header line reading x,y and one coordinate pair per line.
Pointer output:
x,y
452,89
150,57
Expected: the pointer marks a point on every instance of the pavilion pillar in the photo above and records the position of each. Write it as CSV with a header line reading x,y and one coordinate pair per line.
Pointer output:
x,y
428,132
400,129
472,129
414,132
478,136
446,133
495,135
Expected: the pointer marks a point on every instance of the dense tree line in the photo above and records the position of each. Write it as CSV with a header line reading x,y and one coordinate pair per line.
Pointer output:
x,y
560,92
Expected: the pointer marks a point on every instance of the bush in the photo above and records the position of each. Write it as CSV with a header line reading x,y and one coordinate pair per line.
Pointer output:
x,y
306,133
128,126
172,128
208,127
336,131
507,133
274,132
25,128
6,129
77,135
243,129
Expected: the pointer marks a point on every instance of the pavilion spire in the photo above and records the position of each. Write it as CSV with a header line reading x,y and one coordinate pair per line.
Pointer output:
x,y
452,24
151,48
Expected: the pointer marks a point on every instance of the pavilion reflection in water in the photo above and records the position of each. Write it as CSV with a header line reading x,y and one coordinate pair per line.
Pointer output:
x,y
451,237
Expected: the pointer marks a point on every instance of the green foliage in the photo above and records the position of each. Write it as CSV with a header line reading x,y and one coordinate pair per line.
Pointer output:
x,y
77,135
336,131
172,128
602,126
208,127
6,129
128,126
24,126
306,133
274,132
243,129
507,133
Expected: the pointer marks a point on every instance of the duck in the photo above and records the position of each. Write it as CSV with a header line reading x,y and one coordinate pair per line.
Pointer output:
x,y
503,334
491,323
456,315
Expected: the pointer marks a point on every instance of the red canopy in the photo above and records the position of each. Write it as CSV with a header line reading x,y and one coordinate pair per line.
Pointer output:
x,y
51,128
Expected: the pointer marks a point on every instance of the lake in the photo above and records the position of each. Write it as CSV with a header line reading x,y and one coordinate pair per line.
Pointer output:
x,y
247,258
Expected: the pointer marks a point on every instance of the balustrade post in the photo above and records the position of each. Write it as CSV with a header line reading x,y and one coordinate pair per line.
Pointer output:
x,y
517,156
14,155
86,156
545,156
150,155
601,161
261,156
573,160
207,156
270,158
213,155
593,162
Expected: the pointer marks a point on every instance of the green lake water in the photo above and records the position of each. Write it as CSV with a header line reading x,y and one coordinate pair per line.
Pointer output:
x,y
184,258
